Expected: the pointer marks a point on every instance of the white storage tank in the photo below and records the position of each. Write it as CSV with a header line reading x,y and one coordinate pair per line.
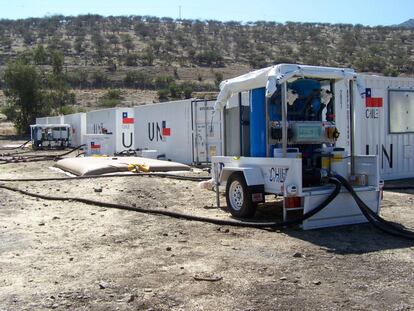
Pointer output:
x,y
77,122
385,124
118,123
183,131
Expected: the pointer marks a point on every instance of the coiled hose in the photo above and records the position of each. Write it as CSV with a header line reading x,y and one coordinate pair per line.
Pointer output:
x,y
179,215
376,220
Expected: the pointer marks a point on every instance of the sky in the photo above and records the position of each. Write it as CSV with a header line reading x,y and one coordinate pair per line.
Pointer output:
x,y
365,12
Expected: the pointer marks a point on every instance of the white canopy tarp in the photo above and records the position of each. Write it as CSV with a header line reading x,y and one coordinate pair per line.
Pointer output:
x,y
271,76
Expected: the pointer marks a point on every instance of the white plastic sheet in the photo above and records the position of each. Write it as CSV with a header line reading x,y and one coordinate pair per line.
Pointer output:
x,y
271,76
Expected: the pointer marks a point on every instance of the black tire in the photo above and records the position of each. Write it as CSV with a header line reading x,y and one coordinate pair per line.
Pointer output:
x,y
238,197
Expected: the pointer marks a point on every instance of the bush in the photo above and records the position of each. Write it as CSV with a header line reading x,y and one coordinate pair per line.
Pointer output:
x,y
138,79
99,79
112,98
163,94
66,110
10,112
131,60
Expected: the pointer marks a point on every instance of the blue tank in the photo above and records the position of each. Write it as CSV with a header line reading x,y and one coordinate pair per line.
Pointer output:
x,y
257,123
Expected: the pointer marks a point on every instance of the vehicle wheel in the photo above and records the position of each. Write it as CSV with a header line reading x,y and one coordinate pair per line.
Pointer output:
x,y
238,197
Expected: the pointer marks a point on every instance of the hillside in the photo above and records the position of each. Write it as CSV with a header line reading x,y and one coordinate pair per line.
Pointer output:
x,y
170,59
408,24
127,42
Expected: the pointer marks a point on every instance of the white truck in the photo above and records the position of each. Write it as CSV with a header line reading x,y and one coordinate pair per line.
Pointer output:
x,y
296,127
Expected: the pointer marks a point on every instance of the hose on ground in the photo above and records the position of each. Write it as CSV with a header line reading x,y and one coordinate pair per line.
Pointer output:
x,y
376,220
14,148
40,158
163,175
179,215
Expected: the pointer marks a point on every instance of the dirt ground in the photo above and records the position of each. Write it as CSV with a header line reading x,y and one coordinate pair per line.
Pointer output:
x,y
67,255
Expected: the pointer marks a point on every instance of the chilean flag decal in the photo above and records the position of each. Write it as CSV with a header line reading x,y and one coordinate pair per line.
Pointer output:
x,y
372,102
166,131
126,120
95,146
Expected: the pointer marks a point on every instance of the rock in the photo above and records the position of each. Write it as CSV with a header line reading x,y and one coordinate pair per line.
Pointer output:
x,y
283,278
147,290
317,282
41,224
129,298
55,217
298,255
169,248
207,277
103,284
97,189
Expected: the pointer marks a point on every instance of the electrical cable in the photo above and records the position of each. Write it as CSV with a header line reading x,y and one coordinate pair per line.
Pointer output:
x,y
179,215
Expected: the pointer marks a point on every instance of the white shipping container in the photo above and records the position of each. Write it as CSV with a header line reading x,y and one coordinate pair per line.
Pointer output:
x,y
55,120
384,121
184,131
99,144
42,120
118,122
77,122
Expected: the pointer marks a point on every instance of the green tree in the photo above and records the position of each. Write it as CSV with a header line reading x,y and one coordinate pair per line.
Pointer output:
x,y
23,92
57,60
40,55
127,42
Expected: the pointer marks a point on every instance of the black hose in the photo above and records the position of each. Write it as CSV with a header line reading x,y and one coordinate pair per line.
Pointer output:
x,y
221,222
14,148
164,175
40,158
376,220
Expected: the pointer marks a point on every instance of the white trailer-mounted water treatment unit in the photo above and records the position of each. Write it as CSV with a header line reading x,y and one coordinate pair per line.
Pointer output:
x,y
183,131
76,121
297,130
116,124
50,136
384,124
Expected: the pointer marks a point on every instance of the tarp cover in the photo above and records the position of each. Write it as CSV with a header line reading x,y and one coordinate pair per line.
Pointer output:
x,y
270,76
104,165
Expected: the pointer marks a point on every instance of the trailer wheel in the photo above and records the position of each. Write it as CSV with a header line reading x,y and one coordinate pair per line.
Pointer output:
x,y
238,197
